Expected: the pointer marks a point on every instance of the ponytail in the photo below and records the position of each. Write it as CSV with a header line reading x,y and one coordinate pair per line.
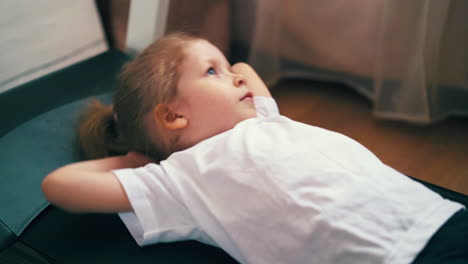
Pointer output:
x,y
149,79
98,134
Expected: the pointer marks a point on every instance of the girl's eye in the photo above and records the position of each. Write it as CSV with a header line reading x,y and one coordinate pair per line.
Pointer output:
x,y
211,71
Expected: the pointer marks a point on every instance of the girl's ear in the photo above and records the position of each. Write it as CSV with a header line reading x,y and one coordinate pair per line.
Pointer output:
x,y
167,118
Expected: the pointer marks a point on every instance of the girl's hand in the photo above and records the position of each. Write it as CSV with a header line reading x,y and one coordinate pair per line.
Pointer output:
x,y
254,82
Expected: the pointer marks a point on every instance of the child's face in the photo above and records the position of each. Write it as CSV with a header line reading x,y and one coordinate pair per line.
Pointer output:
x,y
214,98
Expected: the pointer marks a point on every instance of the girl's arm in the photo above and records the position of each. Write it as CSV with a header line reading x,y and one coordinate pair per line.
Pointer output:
x,y
254,82
90,186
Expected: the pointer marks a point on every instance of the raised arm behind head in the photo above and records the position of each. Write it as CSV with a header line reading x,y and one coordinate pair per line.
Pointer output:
x,y
126,126
90,186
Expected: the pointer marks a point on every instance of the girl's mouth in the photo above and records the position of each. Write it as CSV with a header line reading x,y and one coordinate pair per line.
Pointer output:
x,y
247,96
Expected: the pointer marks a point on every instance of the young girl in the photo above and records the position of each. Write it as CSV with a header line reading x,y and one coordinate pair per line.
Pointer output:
x,y
211,159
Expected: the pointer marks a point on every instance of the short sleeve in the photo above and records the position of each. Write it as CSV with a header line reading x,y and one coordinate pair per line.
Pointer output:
x,y
157,216
265,106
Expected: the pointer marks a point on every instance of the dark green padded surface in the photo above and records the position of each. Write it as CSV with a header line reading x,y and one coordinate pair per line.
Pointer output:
x,y
36,134
103,238
28,153
6,235
19,253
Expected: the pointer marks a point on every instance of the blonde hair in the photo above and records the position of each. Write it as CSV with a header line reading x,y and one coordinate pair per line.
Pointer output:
x,y
149,79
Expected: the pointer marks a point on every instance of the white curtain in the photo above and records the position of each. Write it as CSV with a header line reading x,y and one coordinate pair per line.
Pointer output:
x,y
409,58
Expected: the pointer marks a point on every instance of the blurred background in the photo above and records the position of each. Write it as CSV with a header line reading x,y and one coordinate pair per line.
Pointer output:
x,y
391,74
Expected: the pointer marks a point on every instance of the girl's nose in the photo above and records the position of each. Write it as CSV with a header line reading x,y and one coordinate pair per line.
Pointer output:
x,y
239,80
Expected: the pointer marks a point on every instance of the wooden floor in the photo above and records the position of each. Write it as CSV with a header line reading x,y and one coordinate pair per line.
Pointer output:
x,y
437,153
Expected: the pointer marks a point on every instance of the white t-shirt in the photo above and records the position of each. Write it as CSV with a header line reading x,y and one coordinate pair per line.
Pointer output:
x,y
272,190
